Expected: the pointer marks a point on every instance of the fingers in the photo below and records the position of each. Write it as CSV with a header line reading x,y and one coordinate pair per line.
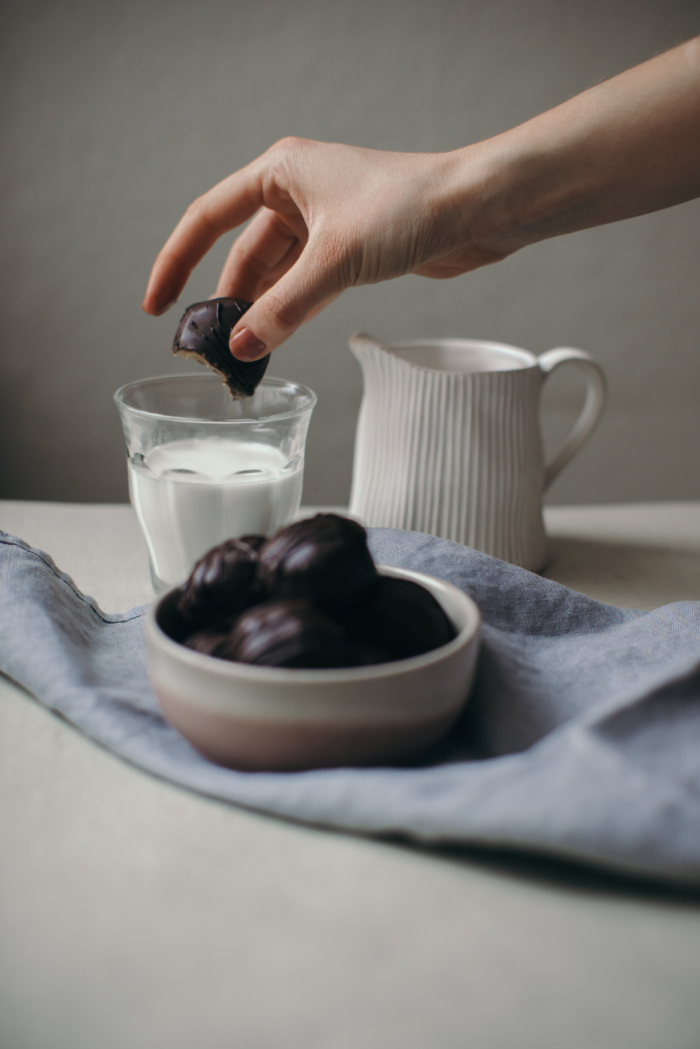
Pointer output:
x,y
273,262
321,306
304,288
258,256
224,207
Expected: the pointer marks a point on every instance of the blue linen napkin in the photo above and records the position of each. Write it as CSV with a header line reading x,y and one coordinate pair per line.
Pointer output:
x,y
582,738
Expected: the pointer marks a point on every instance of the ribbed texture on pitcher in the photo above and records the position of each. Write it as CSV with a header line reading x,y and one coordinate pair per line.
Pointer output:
x,y
453,455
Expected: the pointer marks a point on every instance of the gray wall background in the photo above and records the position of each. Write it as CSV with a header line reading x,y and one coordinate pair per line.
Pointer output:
x,y
117,114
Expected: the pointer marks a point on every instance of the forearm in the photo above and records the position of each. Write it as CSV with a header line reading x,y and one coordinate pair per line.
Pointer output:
x,y
626,147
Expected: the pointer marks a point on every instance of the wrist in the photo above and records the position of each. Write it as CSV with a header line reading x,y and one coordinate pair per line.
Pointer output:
x,y
519,187
482,198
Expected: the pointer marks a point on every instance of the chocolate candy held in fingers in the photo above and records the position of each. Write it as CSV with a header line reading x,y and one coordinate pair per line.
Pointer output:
x,y
203,335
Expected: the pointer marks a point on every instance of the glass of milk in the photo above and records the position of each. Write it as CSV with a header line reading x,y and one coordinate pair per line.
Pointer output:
x,y
204,468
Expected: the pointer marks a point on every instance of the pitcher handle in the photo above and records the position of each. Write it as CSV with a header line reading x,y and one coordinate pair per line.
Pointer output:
x,y
592,407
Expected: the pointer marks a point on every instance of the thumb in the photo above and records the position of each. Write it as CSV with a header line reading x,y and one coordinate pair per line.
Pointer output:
x,y
281,310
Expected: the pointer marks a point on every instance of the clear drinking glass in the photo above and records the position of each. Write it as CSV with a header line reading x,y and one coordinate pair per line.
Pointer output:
x,y
204,468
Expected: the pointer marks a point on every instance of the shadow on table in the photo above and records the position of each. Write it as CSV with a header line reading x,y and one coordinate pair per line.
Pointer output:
x,y
553,872
616,572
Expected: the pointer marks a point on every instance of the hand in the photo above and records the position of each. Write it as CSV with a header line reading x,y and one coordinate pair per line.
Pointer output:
x,y
327,217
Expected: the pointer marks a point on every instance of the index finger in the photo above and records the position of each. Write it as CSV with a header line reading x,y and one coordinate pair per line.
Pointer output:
x,y
221,209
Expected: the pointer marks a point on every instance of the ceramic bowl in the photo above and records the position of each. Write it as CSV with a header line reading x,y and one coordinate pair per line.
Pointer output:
x,y
272,718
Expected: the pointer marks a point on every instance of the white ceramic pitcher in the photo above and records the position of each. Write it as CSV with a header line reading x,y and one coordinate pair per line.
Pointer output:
x,y
449,442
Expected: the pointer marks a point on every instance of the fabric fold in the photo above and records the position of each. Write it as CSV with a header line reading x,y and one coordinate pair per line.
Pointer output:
x,y
581,739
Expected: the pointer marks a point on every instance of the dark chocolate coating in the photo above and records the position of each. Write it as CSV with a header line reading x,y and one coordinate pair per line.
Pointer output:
x,y
308,597
399,617
256,541
222,584
207,642
289,634
203,335
323,559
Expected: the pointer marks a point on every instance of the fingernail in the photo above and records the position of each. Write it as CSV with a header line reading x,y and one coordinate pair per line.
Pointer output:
x,y
245,345
158,311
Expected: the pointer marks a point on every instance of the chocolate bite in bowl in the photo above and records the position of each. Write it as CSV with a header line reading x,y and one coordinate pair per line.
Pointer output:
x,y
323,559
398,617
222,585
288,633
294,684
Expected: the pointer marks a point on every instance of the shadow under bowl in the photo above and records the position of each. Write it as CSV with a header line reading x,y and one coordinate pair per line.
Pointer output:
x,y
258,718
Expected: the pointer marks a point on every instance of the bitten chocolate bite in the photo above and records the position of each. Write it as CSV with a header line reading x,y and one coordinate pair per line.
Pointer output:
x,y
203,335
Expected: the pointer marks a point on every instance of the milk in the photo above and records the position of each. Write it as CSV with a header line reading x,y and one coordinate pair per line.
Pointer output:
x,y
191,495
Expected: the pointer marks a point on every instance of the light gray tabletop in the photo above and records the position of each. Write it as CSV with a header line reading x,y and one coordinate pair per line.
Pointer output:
x,y
134,914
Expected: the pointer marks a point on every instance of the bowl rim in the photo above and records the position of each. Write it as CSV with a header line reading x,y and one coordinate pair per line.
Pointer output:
x,y
321,676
